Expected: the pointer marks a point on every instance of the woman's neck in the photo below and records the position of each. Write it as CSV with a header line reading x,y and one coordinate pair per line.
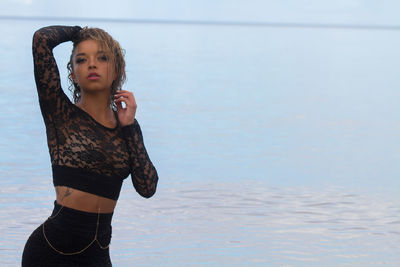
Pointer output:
x,y
99,108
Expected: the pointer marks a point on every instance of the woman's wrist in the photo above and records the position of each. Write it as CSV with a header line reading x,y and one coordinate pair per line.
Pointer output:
x,y
125,124
128,124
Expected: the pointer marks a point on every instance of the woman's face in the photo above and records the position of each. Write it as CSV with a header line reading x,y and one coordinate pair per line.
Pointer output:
x,y
92,67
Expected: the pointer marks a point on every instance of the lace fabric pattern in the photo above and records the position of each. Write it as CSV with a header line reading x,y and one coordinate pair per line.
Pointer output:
x,y
74,138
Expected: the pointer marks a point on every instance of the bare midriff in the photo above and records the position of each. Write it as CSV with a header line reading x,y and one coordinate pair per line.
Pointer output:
x,y
83,201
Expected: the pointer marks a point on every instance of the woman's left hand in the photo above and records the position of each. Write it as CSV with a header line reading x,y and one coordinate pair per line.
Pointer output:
x,y
126,115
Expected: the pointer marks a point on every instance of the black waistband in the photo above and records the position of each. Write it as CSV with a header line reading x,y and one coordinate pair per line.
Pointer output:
x,y
81,219
87,181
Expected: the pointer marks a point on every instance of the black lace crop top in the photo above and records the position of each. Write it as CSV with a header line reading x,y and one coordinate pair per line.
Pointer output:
x,y
86,155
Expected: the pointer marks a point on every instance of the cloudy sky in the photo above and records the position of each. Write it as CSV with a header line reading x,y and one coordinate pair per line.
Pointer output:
x,y
382,12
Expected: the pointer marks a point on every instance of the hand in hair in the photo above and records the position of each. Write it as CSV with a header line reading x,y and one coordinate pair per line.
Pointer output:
x,y
126,115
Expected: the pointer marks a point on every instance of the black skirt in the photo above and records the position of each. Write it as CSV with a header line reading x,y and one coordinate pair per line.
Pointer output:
x,y
70,237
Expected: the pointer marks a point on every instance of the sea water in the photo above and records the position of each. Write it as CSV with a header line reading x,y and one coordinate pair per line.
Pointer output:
x,y
274,146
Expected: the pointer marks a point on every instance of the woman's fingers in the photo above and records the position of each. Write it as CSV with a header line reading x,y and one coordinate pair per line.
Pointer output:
x,y
126,115
128,103
124,93
127,97
119,104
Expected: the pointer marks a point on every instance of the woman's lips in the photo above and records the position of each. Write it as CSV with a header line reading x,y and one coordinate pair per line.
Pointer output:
x,y
93,76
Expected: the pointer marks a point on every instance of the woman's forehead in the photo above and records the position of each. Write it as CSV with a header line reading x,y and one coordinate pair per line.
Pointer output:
x,y
91,46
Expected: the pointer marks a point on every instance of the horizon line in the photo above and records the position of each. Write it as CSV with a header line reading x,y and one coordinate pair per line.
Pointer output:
x,y
211,22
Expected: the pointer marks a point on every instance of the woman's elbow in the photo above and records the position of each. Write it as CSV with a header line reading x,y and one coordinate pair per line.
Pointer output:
x,y
38,37
146,188
148,194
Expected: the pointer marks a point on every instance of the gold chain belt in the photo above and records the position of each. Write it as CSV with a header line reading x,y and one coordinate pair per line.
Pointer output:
x,y
82,250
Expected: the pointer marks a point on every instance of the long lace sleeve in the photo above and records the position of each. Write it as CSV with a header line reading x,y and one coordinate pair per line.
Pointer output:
x,y
143,173
51,97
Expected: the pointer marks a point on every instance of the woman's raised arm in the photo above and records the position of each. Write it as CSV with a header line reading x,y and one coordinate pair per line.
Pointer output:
x,y
46,72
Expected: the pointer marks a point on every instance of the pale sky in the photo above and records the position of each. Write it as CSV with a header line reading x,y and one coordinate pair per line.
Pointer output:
x,y
304,11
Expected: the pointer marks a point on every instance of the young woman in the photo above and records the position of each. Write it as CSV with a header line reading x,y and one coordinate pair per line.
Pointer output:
x,y
94,144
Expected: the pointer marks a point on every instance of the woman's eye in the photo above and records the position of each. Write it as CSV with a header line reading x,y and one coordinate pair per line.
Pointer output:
x,y
79,60
104,58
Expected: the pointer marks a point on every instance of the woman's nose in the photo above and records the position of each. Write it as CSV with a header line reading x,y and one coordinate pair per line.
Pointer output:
x,y
92,63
